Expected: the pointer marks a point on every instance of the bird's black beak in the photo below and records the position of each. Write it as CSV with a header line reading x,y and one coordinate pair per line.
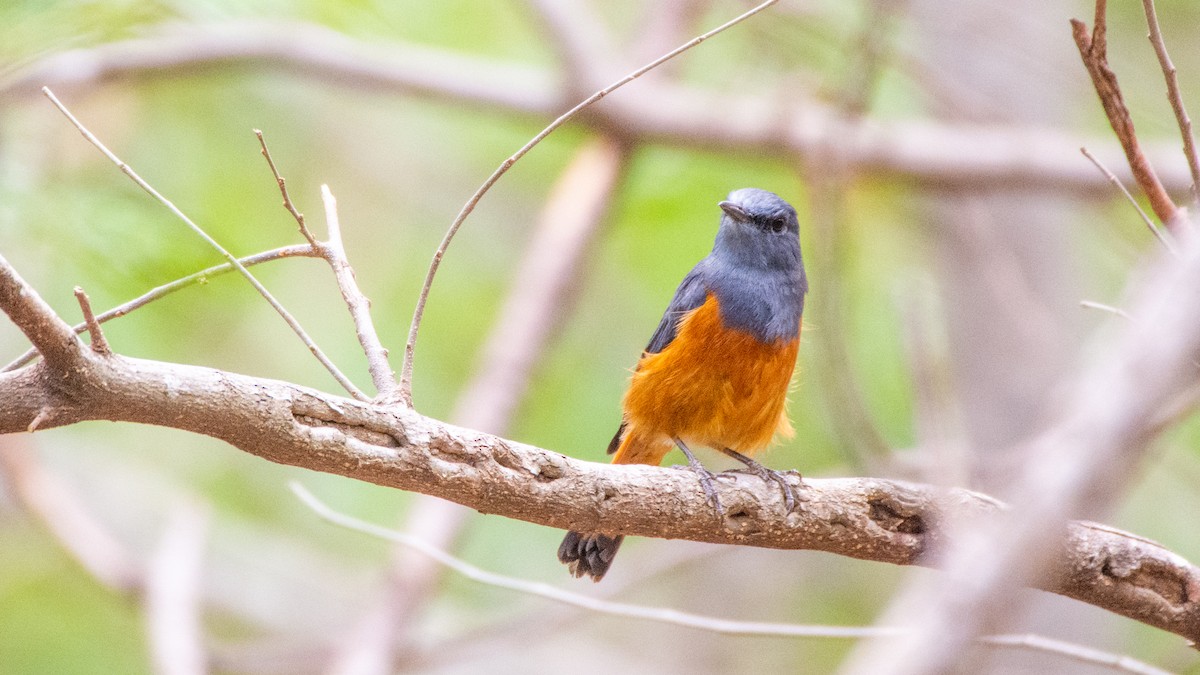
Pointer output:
x,y
736,212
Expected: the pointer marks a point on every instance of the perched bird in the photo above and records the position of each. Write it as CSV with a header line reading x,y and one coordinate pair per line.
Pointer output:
x,y
717,370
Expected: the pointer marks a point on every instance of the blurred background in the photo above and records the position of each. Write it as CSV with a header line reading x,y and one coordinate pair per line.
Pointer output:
x,y
950,227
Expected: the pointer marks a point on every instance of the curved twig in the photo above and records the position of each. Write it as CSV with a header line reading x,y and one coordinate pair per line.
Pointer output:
x,y
405,393
710,624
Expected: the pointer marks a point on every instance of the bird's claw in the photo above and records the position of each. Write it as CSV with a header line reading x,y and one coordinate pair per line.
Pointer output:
x,y
790,496
704,476
706,483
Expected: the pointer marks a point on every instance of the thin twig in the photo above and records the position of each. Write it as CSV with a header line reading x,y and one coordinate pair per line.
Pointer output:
x,y
1090,304
405,392
544,590
262,290
1093,50
146,298
334,253
99,344
687,619
1112,178
1074,652
1174,95
287,199
360,307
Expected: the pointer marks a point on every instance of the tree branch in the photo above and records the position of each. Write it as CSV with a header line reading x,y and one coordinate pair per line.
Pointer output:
x,y
173,603
1174,95
1105,427
287,316
1137,207
1093,49
50,335
870,519
865,518
930,154
334,252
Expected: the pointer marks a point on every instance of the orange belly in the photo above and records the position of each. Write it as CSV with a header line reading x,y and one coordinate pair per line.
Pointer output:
x,y
710,386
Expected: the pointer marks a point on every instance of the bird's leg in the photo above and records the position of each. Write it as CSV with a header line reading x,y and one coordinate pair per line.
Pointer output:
x,y
705,476
789,494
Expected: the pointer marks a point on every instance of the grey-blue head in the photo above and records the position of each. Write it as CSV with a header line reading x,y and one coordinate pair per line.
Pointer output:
x,y
758,230
755,267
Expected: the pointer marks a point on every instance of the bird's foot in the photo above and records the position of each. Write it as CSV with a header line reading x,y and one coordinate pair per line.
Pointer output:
x,y
791,496
705,477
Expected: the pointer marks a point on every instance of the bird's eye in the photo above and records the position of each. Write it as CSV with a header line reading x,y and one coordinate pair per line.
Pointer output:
x,y
777,224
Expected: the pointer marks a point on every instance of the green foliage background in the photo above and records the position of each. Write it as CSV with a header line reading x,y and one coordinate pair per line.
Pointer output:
x,y
401,167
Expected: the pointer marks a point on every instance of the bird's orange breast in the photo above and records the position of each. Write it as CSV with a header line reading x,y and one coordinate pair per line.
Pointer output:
x,y
712,386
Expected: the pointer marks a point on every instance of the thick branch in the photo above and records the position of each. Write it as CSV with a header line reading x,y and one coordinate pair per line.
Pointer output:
x,y
865,518
936,155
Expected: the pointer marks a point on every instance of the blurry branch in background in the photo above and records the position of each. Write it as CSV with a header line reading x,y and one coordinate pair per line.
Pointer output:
x,y
1143,377
547,622
296,251
938,423
709,624
48,499
406,371
580,42
929,154
828,180
540,299
230,259
173,599
1104,428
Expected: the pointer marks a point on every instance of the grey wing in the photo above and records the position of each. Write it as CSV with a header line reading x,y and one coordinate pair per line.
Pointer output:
x,y
692,293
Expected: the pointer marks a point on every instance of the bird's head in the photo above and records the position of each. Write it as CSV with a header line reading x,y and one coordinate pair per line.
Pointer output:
x,y
758,229
760,211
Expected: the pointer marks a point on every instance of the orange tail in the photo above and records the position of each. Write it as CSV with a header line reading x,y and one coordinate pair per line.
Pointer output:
x,y
640,448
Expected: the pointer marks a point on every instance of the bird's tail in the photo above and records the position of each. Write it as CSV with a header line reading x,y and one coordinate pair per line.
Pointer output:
x,y
591,554
588,554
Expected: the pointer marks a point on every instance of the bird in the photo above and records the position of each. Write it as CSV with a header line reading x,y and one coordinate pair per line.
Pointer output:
x,y
718,368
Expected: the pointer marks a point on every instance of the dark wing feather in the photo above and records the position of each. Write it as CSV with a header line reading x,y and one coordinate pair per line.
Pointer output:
x,y
692,293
